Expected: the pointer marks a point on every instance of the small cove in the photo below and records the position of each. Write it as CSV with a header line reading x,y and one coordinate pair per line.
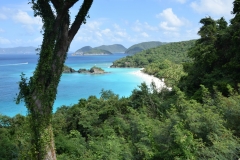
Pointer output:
x,y
72,87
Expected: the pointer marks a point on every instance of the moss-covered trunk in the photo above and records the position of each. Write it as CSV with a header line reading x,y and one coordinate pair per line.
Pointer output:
x,y
40,92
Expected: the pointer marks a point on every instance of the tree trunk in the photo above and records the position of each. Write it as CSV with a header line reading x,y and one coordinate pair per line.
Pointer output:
x,y
40,92
50,154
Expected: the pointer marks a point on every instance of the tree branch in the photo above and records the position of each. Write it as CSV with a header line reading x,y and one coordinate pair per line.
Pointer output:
x,y
44,10
61,12
80,18
57,4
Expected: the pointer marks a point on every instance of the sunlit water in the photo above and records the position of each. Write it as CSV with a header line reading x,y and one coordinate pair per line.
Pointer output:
x,y
72,87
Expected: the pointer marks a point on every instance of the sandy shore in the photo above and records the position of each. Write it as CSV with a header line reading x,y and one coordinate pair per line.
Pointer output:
x,y
148,79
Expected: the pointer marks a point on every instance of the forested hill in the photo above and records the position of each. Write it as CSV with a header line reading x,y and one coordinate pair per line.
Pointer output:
x,y
84,49
143,46
103,49
91,51
115,48
175,52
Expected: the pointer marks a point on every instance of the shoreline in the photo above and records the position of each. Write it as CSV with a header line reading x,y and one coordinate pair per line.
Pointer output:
x,y
148,79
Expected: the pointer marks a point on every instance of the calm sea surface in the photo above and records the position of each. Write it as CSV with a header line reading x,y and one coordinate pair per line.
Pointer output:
x,y
72,87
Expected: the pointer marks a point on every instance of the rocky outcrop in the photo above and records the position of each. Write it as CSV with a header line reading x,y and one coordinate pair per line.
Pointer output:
x,y
96,70
67,69
93,70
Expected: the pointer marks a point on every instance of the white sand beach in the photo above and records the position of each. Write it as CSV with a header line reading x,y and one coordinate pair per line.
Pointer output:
x,y
148,79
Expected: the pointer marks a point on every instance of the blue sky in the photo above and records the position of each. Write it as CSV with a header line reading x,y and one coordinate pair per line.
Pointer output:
x,y
125,22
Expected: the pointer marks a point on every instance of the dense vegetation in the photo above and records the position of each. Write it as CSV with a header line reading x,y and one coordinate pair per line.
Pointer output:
x,y
176,52
115,48
143,46
104,49
216,57
197,119
92,51
84,49
164,61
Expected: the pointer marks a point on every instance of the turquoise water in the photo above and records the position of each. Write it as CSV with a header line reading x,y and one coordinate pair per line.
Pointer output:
x,y
72,87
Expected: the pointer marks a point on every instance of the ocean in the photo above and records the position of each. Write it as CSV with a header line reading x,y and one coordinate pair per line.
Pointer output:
x,y
72,87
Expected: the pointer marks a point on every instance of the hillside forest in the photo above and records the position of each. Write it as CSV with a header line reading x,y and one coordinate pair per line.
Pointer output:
x,y
197,119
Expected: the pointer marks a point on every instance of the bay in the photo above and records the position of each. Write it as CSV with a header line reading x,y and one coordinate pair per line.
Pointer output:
x,y
72,87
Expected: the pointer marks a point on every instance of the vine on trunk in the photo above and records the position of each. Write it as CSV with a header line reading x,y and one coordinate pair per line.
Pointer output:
x,y
39,93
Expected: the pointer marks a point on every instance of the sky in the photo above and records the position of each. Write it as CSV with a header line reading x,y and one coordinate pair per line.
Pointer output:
x,y
125,22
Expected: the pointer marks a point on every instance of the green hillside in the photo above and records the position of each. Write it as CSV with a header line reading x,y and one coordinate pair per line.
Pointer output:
x,y
115,48
143,46
89,50
84,49
176,52
97,51
104,49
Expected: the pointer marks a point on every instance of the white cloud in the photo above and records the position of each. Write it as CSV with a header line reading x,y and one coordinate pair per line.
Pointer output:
x,y
116,26
121,33
4,41
93,25
181,1
94,32
1,30
170,17
24,18
2,16
165,26
98,34
139,27
106,32
31,24
144,34
149,27
171,21
136,29
216,7
38,40
118,31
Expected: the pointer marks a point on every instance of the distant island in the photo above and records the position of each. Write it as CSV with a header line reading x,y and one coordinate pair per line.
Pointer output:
x,y
143,46
93,70
18,50
88,50
100,50
117,48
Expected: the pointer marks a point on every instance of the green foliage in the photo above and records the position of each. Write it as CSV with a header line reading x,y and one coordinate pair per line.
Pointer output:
x,y
175,52
15,137
115,48
215,59
97,68
143,46
97,51
107,49
147,125
167,70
